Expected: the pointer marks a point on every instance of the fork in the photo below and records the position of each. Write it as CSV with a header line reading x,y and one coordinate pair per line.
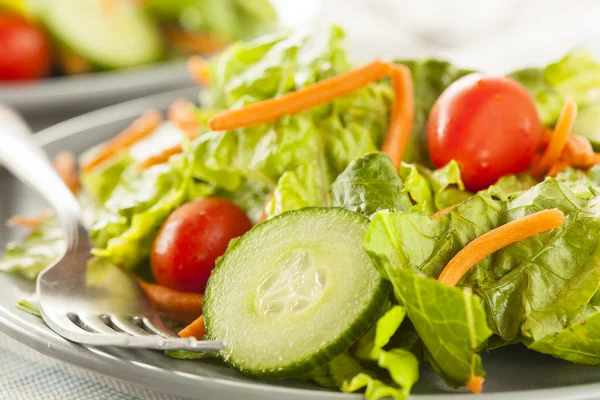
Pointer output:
x,y
92,303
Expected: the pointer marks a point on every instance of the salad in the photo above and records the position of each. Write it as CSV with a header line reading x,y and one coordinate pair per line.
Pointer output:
x,y
345,225
39,38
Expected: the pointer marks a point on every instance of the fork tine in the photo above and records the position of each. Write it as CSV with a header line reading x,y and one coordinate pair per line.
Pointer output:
x,y
124,324
157,327
95,324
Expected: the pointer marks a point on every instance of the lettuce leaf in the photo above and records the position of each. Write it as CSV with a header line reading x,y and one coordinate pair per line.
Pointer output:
x,y
39,249
298,188
430,78
229,19
382,373
531,290
577,74
370,184
144,202
450,321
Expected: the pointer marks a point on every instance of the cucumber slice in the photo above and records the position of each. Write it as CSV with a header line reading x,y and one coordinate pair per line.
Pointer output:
x,y
118,36
588,124
294,292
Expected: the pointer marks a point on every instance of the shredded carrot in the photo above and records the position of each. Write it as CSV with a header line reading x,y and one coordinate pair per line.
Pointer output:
x,y
198,70
475,384
403,113
181,114
439,214
322,92
65,164
71,63
180,305
558,167
195,329
496,239
139,129
545,137
193,42
160,158
28,222
559,137
301,100
596,158
579,151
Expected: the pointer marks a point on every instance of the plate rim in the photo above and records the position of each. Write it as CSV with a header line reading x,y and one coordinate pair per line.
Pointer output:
x,y
116,79
40,338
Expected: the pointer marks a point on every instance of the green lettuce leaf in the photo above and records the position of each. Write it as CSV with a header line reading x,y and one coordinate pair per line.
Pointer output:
x,y
530,289
578,342
430,78
577,74
39,249
144,202
370,184
450,321
515,183
100,182
534,286
229,19
297,189
381,373
434,190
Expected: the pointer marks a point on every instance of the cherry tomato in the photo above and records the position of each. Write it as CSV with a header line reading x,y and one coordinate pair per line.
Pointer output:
x,y
187,245
25,50
489,125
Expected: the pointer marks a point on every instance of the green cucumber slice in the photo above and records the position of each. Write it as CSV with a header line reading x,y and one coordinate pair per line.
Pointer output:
x,y
587,124
294,292
117,37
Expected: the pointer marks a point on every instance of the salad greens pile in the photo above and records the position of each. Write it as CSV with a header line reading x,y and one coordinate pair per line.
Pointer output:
x,y
541,292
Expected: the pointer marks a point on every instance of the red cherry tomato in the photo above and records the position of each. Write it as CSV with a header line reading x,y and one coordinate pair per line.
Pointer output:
x,y
187,245
24,49
489,125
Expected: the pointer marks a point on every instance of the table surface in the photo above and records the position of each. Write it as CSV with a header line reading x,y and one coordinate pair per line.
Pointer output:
x,y
28,375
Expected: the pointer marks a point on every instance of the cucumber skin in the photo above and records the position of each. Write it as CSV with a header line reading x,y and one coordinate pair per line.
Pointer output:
x,y
95,65
358,329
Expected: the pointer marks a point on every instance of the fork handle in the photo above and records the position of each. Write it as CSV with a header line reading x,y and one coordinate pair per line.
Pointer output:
x,y
26,160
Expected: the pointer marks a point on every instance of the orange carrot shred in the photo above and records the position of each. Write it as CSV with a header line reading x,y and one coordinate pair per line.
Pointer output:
x,y
496,239
28,222
65,164
196,329
559,137
439,214
300,100
558,167
596,158
193,42
181,114
545,137
198,70
579,152
403,112
180,305
322,92
139,129
475,384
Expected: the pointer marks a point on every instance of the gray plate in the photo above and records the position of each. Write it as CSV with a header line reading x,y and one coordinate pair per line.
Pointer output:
x,y
54,99
513,372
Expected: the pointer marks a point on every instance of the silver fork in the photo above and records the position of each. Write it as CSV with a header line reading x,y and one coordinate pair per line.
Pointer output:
x,y
96,304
